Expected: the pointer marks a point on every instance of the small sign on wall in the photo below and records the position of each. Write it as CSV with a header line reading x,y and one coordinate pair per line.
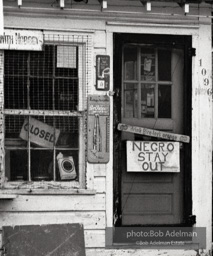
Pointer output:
x,y
102,72
153,156
98,128
21,40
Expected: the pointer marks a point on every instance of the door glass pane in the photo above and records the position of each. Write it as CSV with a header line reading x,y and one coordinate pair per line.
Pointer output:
x,y
147,100
164,101
130,100
148,64
164,65
130,63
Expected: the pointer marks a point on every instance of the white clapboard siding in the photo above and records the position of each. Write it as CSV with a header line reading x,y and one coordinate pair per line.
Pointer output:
x,y
90,220
99,39
90,177
99,170
30,203
94,238
100,184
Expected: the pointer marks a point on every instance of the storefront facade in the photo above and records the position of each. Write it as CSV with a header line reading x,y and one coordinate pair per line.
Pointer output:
x,y
106,117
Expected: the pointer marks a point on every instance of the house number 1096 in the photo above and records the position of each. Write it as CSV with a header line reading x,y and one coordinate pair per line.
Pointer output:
x,y
204,73
205,80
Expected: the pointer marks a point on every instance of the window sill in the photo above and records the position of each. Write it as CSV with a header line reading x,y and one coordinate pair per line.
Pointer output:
x,y
12,194
7,196
41,186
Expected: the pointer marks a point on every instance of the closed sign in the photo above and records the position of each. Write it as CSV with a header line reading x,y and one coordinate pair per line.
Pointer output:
x,y
152,156
40,133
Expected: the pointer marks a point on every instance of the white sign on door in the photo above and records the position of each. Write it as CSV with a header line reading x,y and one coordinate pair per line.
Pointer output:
x,y
153,156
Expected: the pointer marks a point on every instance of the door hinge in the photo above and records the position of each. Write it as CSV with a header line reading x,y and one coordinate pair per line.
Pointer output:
x,y
191,219
116,215
3,251
192,52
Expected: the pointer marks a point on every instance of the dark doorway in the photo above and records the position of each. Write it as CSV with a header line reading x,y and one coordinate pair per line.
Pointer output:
x,y
153,90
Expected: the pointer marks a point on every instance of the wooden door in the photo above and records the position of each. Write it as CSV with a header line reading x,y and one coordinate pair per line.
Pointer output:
x,y
151,95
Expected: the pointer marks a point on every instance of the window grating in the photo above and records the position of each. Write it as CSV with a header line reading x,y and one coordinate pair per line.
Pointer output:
x,y
14,123
15,92
15,63
84,63
49,86
67,92
42,63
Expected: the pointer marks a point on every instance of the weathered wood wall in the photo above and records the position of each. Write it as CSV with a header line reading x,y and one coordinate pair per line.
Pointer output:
x,y
95,210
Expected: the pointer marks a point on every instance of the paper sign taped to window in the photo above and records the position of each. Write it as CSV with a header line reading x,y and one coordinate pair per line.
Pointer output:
x,y
39,133
147,64
66,56
153,156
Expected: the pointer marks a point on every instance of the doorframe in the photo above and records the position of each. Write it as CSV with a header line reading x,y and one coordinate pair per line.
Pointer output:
x,y
185,42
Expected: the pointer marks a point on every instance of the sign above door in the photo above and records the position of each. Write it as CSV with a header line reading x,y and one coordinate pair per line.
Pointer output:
x,y
153,133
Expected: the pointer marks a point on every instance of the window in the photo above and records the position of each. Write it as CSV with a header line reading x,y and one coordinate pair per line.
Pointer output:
x,y
44,102
147,82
